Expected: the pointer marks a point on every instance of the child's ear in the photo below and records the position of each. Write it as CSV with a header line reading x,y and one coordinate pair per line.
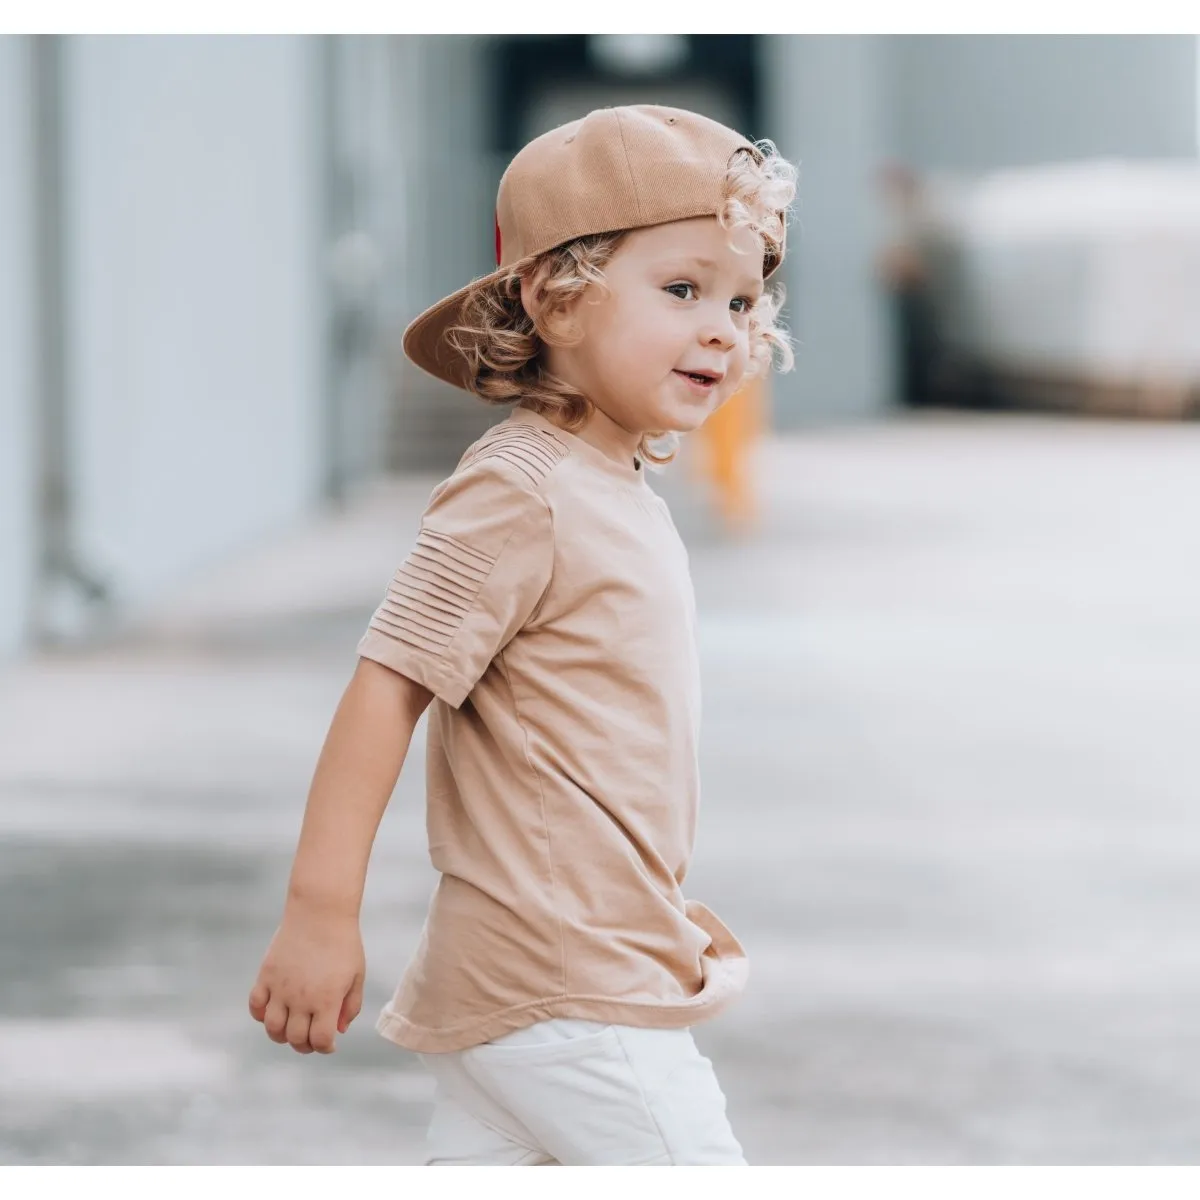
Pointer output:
x,y
557,326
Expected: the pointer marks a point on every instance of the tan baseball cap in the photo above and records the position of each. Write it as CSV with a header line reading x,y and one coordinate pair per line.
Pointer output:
x,y
615,169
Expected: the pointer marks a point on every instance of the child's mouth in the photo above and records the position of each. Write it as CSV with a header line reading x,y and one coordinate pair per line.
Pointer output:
x,y
702,383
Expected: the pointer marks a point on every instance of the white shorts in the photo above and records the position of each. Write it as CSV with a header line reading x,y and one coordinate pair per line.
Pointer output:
x,y
579,1093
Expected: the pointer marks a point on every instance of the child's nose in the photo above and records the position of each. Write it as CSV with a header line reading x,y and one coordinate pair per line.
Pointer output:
x,y
719,330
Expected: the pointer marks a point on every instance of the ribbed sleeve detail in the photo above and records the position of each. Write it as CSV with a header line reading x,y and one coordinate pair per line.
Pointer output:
x,y
432,592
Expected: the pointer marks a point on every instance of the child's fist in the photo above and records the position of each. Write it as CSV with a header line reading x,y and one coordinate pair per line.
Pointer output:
x,y
310,984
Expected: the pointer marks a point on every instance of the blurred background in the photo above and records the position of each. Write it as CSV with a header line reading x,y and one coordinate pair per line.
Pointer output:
x,y
948,573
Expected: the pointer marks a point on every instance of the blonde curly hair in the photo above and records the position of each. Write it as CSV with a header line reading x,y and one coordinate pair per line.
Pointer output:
x,y
502,344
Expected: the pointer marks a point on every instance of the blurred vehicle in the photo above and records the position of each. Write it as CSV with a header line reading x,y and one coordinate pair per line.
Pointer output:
x,y
1072,286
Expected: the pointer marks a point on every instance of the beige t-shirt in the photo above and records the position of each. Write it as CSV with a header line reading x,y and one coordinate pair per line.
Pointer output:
x,y
548,606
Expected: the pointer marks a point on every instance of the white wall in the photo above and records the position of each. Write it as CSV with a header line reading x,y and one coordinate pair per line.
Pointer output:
x,y
977,102
192,211
17,350
826,110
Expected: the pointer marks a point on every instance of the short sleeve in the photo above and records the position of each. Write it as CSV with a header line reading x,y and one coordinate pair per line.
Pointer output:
x,y
477,573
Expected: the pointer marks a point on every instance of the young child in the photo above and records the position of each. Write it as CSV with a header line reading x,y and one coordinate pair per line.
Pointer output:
x,y
546,611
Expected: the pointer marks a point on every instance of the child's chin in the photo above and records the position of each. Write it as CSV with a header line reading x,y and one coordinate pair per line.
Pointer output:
x,y
684,418
691,420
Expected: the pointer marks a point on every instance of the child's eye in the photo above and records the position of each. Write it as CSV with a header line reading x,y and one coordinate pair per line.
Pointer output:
x,y
675,288
746,303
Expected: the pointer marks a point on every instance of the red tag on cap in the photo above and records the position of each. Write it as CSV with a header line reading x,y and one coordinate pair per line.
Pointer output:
x,y
497,239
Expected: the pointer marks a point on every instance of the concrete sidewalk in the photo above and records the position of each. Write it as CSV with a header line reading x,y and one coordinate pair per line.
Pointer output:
x,y
952,807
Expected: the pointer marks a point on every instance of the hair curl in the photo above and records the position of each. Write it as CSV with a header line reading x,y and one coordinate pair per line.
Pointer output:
x,y
502,344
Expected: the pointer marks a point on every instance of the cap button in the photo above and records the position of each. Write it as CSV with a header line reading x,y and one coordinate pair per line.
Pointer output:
x,y
571,138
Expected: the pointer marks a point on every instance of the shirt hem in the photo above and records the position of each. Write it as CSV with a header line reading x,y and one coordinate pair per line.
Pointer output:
x,y
716,997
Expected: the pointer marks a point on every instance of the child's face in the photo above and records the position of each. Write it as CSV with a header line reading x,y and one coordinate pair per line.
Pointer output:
x,y
679,302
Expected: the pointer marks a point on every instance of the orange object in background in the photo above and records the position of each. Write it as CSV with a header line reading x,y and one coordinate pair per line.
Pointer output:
x,y
728,439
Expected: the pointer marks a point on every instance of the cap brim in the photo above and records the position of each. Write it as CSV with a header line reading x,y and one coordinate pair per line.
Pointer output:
x,y
425,342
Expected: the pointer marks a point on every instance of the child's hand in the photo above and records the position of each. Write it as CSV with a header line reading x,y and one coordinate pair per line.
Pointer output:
x,y
310,984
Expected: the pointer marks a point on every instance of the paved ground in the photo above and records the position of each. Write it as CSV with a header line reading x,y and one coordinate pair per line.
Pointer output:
x,y
952,806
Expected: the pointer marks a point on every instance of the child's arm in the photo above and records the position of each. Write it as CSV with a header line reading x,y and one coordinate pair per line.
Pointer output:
x,y
309,987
